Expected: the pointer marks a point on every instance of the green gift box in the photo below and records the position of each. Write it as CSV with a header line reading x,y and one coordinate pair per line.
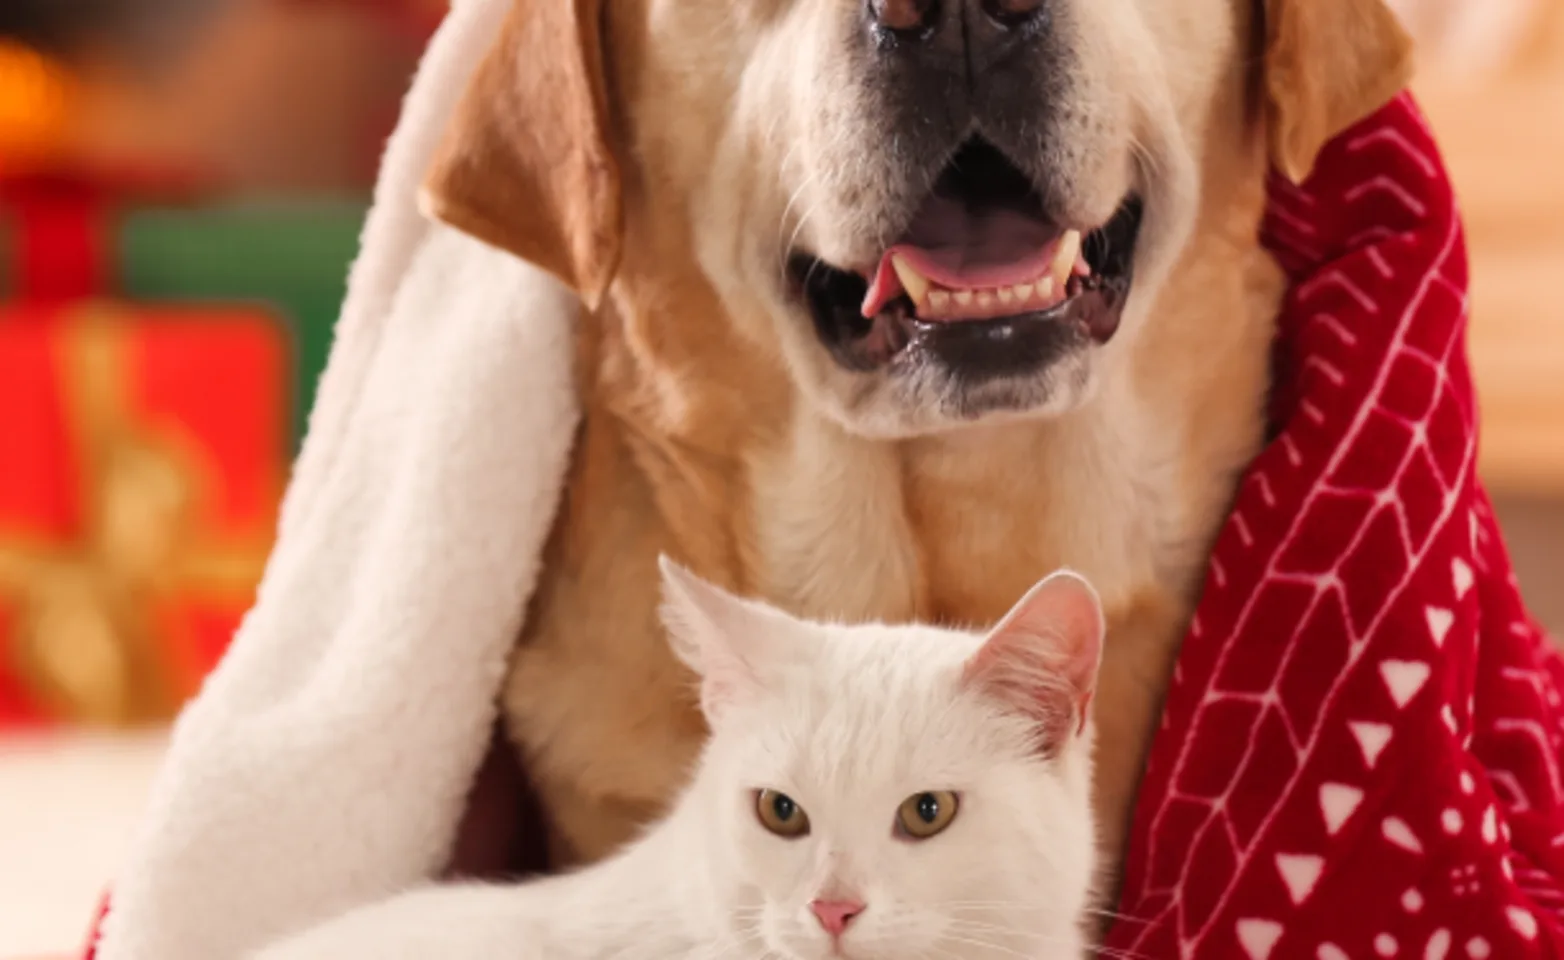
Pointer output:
x,y
294,256
291,255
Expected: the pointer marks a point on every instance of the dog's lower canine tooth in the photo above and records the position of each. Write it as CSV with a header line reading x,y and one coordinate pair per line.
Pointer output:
x,y
915,283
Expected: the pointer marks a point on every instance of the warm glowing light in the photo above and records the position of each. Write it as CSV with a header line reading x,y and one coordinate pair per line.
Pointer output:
x,y
34,106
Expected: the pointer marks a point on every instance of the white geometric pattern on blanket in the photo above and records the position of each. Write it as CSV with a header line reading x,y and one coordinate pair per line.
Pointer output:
x,y
1403,679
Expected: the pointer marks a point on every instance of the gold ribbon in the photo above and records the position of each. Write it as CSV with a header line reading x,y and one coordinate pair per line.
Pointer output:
x,y
88,641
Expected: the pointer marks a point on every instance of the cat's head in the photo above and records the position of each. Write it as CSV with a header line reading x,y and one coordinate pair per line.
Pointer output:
x,y
885,793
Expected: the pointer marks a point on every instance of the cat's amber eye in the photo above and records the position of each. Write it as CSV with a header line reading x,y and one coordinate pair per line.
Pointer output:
x,y
780,814
924,815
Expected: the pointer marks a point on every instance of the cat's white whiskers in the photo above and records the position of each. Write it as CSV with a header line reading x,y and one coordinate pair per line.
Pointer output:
x,y
980,926
1113,915
976,938
1096,950
987,945
723,949
1026,906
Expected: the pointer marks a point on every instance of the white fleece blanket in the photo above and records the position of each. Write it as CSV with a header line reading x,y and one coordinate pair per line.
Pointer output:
x,y
326,762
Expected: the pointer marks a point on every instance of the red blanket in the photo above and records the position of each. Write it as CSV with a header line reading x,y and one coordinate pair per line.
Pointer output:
x,y
1360,753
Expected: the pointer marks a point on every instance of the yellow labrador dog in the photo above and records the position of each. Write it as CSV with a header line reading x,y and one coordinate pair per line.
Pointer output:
x,y
894,306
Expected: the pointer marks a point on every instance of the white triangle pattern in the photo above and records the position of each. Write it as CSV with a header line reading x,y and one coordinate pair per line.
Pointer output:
x,y
1461,573
1439,622
1403,678
1397,832
1338,802
1259,937
1300,872
1372,738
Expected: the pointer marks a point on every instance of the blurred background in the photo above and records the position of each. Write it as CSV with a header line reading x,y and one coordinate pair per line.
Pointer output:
x,y
182,184
181,188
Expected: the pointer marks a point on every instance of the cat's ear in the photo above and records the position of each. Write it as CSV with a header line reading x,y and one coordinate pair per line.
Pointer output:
x,y
1042,658
716,634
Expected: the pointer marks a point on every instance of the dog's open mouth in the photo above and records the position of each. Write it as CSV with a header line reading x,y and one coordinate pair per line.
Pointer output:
x,y
981,262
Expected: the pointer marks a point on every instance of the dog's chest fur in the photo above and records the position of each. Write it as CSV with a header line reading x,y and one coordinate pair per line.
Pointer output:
x,y
952,529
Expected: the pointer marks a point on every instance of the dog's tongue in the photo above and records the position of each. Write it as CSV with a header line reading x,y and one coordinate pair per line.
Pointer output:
x,y
960,248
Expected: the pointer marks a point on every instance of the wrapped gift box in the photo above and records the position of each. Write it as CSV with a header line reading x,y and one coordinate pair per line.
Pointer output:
x,y
292,256
143,452
68,237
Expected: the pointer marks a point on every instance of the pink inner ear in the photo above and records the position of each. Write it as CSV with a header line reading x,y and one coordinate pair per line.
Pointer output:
x,y
1018,674
1042,658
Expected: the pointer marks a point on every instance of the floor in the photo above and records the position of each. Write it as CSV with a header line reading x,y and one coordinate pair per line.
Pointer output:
x,y
68,810
68,806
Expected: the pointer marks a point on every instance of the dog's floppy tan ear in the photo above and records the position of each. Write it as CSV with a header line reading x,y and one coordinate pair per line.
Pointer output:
x,y
1328,64
527,163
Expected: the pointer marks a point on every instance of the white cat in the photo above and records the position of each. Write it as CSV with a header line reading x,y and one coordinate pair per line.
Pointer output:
x,y
868,792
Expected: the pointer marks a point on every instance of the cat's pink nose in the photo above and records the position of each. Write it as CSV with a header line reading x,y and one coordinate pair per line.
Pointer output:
x,y
835,915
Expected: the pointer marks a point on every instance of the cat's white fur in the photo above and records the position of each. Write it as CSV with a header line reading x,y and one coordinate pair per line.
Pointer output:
x,y
849,722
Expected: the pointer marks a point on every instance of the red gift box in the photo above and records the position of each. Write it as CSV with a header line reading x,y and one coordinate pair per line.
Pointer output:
x,y
143,452
60,227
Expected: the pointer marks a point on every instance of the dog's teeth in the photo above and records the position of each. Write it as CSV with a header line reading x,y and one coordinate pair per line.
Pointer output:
x,y
963,297
915,283
1064,260
1023,291
985,300
1045,290
939,300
